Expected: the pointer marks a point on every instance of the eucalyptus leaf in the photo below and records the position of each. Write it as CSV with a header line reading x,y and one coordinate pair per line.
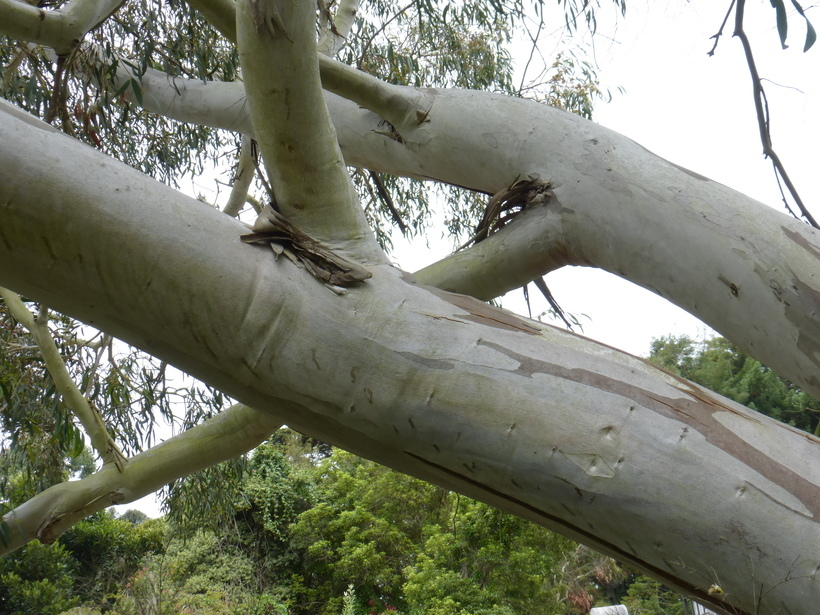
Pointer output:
x,y
811,35
782,21
137,91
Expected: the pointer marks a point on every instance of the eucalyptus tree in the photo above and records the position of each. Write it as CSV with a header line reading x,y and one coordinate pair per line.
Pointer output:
x,y
306,321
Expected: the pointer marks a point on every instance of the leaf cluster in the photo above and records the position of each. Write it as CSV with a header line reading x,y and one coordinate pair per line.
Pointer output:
x,y
89,564
782,19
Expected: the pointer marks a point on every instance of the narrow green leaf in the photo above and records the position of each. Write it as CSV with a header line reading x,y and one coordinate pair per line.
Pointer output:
x,y
77,444
137,91
782,21
6,395
5,534
811,35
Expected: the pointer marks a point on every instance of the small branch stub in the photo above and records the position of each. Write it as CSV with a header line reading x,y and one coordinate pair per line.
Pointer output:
x,y
322,263
508,203
266,18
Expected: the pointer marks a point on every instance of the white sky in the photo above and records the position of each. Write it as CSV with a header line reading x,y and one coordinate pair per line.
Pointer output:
x,y
691,109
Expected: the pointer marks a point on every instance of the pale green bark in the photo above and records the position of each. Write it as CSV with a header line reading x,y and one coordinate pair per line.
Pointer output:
x,y
51,512
403,107
555,428
245,172
277,48
61,29
729,260
337,27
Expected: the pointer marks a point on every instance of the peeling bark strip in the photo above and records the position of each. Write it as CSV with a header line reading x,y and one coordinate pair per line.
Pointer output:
x,y
485,314
521,194
699,414
323,264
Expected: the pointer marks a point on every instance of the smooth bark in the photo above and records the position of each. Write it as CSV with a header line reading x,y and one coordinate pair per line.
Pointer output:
x,y
746,270
311,187
51,512
61,29
692,488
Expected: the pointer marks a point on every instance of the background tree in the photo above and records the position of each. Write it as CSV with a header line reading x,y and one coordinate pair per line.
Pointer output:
x,y
90,565
724,368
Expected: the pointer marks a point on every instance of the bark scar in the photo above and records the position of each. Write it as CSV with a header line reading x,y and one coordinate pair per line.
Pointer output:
x,y
266,17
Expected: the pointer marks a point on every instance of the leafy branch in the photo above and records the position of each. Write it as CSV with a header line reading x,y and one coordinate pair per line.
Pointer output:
x,y
85,412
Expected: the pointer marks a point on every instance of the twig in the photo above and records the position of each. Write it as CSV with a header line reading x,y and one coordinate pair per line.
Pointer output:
x,y
533,49
720,32
366,46
388,201
762,110
57,92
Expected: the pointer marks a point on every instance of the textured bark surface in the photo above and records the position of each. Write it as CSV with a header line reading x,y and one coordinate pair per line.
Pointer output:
x,y
748,271
699,492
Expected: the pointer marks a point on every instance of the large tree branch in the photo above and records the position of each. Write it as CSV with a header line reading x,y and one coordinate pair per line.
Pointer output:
x,y
404,108
336,28
231,433
277,48
61,29
729,260
555,428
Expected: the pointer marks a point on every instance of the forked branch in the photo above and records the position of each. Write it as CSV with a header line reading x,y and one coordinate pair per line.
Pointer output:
x,y
403,108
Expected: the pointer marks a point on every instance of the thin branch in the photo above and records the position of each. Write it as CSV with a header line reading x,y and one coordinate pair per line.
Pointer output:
x,y
257,206
47,515
245,171
57,96
388,201
717,36
533,49
88,416
105,342
404,108
762,111
95,343
367,45
337,27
